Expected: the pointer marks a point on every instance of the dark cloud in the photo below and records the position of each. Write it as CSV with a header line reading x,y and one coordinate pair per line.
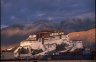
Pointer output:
x,y
34,9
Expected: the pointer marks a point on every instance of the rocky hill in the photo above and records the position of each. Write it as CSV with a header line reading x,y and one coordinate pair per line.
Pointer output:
x,y
88,37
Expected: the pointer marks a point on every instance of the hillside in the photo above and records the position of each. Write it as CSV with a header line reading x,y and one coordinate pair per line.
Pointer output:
x,y
88,37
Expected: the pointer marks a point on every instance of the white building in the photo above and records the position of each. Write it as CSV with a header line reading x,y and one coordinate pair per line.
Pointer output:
x,y
49,44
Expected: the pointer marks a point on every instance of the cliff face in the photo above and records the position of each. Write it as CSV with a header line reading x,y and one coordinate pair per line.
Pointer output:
x,y
88,37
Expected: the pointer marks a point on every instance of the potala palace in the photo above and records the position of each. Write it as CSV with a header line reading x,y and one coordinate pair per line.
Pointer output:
x,y
44,42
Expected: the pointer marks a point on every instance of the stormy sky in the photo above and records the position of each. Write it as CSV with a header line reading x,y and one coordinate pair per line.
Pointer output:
x,y
26,11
